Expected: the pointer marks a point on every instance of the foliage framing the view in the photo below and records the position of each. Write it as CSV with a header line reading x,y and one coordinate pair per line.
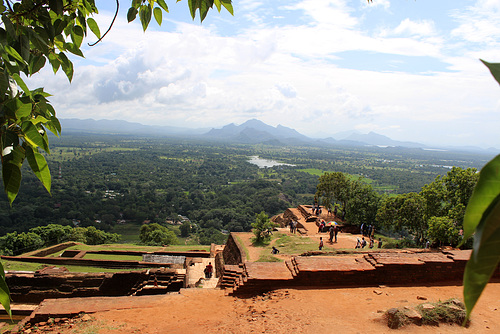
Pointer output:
x,y
33,33
483,217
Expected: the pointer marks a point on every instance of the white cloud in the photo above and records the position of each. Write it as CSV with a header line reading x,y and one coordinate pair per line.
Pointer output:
x,y
286,90
287,74
415,28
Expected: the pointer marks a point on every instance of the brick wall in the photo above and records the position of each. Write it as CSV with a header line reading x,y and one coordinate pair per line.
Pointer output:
x,y
233,252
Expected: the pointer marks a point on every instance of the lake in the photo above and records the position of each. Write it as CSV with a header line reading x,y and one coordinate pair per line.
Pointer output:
x,y
264,163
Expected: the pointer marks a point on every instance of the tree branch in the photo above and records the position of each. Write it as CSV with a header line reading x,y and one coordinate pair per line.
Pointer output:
x,y
110,26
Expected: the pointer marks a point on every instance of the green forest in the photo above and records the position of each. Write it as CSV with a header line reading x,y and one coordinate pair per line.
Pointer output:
x,y
202,190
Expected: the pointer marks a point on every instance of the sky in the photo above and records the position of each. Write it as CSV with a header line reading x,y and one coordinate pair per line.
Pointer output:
x,y
407,69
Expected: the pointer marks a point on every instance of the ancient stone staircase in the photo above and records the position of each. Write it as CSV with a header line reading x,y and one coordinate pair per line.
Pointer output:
x,y
233,276
159,282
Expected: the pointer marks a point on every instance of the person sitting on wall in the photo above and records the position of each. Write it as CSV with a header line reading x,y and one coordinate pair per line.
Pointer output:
x,y
363,242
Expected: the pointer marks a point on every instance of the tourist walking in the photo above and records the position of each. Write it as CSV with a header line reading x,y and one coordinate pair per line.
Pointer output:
x,y
320,243
208,270
335,231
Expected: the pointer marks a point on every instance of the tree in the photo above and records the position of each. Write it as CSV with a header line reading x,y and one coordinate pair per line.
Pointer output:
x,y
157,235
442,230
331,187
261,225
33,33
363,204
185,229
405,211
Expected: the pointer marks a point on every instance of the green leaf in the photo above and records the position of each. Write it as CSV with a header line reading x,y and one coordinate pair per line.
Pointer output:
x,y
218,5
60,26
21,84
56,6
485,256
494,69
12,52
40,119
4,292
36,64
73,49
136,3
132,14
54,126
486,190
11,171
227,4
66,65
162,4
31,134
204,7
4,82
16,109
39,166
193,5
11,30
145,16
158,15
54,61
77,35
94,27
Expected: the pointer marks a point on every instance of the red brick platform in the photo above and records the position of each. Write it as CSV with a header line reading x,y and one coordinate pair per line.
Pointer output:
x,y
396,268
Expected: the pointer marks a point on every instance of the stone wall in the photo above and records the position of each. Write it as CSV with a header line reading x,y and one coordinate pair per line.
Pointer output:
x,y
35,287
233,252
396,268
53,249
73,261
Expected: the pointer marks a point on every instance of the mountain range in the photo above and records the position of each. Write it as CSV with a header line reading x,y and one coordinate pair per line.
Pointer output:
x,y
251,132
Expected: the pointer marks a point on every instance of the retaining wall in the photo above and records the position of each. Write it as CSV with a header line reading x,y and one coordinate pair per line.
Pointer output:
x,y
35,287
233,252
396,268
52,249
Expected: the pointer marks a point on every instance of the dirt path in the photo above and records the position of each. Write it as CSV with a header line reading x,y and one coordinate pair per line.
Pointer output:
x,y
355,310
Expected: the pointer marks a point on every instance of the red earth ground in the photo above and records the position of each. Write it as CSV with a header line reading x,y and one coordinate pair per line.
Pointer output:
x,y
346,310
354,310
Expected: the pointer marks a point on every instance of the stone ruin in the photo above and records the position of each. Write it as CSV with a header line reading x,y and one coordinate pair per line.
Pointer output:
x,y
355,269
157,273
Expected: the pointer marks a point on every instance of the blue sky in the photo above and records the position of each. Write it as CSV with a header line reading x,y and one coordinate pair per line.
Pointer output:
x,y
406,69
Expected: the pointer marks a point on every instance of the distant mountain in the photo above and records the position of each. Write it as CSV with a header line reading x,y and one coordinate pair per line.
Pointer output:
x,y
251,132
123,127
375,139
254,131
344,134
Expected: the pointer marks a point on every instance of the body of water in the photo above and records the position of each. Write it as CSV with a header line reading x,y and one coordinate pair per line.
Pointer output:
x,y
263,163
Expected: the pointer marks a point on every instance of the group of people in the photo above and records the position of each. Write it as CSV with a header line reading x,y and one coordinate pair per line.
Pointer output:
x,y
367,230
316,209
362,243
293,226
